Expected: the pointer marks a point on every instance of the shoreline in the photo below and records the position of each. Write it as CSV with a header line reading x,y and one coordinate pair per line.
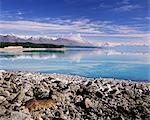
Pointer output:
x,y
61,75
22,94
30,49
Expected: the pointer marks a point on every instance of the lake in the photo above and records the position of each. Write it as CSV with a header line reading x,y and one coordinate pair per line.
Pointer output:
x,y
120,62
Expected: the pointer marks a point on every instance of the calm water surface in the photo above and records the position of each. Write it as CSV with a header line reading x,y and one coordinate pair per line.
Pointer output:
x,y
124,63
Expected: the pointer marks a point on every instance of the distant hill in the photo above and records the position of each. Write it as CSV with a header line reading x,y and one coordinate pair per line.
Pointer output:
x,y
57,41
29,45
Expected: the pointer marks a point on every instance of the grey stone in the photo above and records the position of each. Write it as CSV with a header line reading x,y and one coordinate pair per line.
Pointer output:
x,y
19,96
17,116
6,93
2,110
2,99
78,98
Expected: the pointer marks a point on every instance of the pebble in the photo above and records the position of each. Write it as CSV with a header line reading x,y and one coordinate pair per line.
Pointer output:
x,y
2,99
88,103
2,110
6,93
76,97
79,98
19,97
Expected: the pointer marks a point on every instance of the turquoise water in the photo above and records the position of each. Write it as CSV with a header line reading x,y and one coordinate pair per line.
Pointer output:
x,y
88,62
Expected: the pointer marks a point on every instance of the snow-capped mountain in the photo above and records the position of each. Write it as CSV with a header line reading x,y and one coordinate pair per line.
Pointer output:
x,y
67,41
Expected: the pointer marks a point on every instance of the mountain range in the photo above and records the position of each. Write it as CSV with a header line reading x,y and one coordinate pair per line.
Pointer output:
x,y
71,40
55,41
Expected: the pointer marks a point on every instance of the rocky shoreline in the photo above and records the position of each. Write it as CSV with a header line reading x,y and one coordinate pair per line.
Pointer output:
x,y
28,96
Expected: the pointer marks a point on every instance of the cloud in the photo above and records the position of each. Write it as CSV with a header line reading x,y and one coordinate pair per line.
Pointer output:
x,y
19,13
144,35
81,25
103,6
13,14
120,6
59,25
127,7
142,18
125,2
85,27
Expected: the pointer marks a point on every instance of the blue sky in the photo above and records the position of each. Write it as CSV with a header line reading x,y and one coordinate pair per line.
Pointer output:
x,y
94,20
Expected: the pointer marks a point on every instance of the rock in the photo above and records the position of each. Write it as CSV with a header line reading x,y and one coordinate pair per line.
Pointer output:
x,y
29,93
88,103
89,83
6,93
79,98
17,116
2,110
99,94
11,97
24,109
1,90
54,97
2,71
19,96
45,85
74,97
1,80
109,87
26,87
39,118
2,99
140,91
13,87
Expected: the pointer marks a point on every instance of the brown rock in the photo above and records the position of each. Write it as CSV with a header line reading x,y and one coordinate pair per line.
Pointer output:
x,y
34,104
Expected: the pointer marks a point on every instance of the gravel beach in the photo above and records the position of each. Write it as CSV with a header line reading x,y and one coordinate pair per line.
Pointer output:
x,y
29,96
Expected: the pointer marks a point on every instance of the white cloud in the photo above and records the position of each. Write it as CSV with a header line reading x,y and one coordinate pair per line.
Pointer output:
x,y
76,37
127,7
147,18
55,26
142,18
125,2
19,13
145,36
13,14
85,27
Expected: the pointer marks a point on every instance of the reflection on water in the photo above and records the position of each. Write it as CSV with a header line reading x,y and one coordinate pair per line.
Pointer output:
x,y
87,62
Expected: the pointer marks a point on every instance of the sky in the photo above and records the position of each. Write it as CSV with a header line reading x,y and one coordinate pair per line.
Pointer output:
x,y
92,20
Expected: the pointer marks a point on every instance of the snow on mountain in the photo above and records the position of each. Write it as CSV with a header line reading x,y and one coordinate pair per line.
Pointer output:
x,y
68,40
71,40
